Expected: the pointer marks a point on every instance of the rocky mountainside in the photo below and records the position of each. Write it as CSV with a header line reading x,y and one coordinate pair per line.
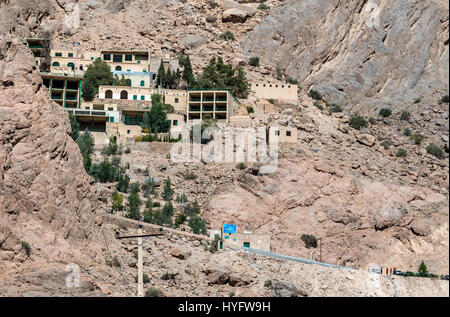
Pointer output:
x,y
363,54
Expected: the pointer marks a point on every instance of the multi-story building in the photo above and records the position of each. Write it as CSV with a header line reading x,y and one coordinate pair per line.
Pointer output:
x,y
175,97
64,89
218,104
36,45
282,91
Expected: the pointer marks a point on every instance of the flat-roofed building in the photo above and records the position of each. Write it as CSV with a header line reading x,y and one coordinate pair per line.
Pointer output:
x,y
126,93
284,134
268,90
36,45
218,104
175,97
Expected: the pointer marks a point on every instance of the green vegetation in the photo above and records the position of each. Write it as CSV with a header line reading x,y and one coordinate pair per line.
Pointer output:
x,y
85,142
117,201
112,147
254,61
180,219
227,36
213,245
291,81
268,283
217,74
279,72
263,6
318,105
197,225
120,82
314,94
310,240
407,132
357,122
334,107
123,184
169,79
417,138
105,172
156,120
405,115
168,191
372,120
250,110
169,276
386,144
154,292
423,270
98,73
401,152
134,204
26,247
444,99
191,210
385,112
190,176
435,150
241,166
271,101
188,74
213,4
145,278
160,217
75,127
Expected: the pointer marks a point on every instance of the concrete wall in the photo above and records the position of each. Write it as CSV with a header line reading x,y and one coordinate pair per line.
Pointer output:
x,y
283,136
282,91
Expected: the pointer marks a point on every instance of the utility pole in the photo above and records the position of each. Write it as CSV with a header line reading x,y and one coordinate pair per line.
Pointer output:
x,y
76,55
140,265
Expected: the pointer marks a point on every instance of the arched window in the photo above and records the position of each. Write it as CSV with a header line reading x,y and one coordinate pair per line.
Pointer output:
x,y
81,67
128,82
118,68
142,83
71,65
108,94
123,94
55,64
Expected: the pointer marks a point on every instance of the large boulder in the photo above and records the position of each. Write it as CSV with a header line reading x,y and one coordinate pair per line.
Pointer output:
x,y
235,15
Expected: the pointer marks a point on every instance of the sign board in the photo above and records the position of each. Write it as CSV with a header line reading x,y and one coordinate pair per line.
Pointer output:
x,y
229,228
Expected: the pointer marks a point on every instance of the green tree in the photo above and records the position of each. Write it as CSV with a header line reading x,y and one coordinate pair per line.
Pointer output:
x,y
385,112
85,142
88,90
423,270
161,75
188,74
123,184
357,122
117,201
197,225
75,127
103,172
134,206
156,121
119,82
99,73
254,61
168,191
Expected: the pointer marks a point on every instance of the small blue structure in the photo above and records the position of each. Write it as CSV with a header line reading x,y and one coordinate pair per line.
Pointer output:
x,y
229,228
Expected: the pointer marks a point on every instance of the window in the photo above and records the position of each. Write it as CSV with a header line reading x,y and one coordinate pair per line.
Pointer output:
x,y
124,94
288,133
144,70
277,132
71,65
117,58
128,82
142,83
257,85
58,54
55,64
142,97
128,70
111,119
110,109
107,57
70,54
134,97
92,58
128,131
118,68
176,100
227,237
246,244
128,58
108,94
175,122
81,67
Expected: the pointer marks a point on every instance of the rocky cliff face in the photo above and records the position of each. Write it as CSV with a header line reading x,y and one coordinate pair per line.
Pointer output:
x,y
46,197
363,54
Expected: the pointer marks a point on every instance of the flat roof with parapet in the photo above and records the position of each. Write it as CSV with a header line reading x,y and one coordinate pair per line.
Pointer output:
x,y
62,75
125,50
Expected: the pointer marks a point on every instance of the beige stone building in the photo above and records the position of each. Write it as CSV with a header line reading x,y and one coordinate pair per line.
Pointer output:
x,y
268,90
245,239
283,134
175,97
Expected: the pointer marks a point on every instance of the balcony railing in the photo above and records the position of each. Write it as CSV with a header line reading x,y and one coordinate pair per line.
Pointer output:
x,y
194,99
221,109
206,109
81,112
208,98
221,99
194,109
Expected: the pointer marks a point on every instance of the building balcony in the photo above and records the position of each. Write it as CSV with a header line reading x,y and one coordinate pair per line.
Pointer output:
x,y
191,109
221,109
193,99
221,99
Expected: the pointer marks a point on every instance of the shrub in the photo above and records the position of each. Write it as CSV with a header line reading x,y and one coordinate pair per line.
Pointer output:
x,y
372,120
227,36
117,201
241,166
357,122
407,131
444,99
197,225
180,219
268,283
279,72
75,127
401,152
213,4
123,184
145,277
435,150
168,191
405,115
104,172
318,105
115,261
417,138
111,148
254,61
291,81
314,94
310,240
423,270
213,245
168,276
191,210
385,112
27,248
154,292
335,108
190,176
271,101
386,144
250,110
263,6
